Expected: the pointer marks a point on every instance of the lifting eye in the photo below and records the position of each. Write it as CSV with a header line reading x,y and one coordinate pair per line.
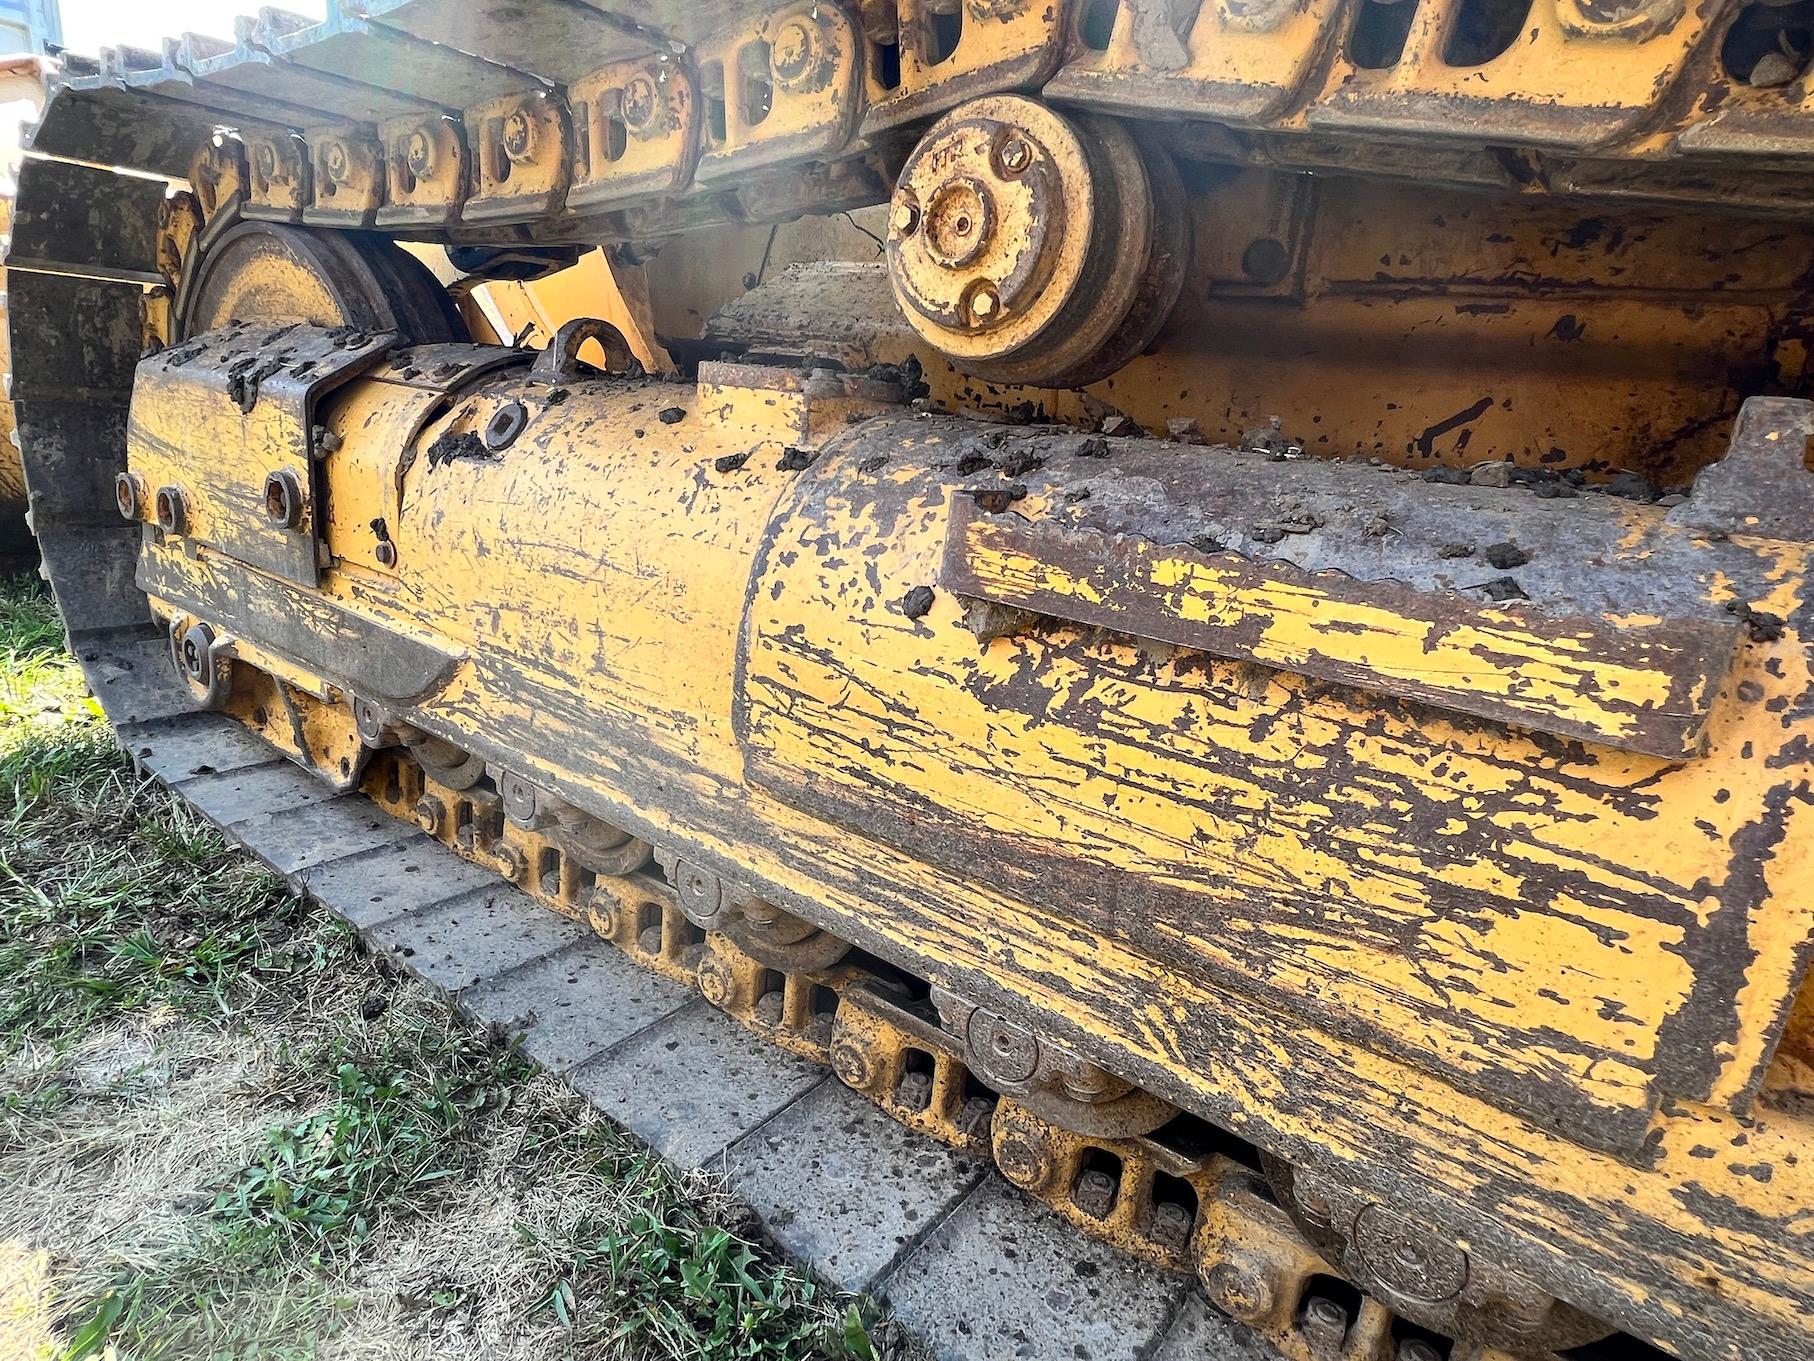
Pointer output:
x,y
506,423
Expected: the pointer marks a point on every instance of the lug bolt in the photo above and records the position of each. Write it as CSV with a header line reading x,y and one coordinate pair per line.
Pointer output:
x,y
430,813
905,219
1016,155
1024,1163
1325,1322
602,912
1171,1226
852,1066
1241,1290
915,1091
517,136
512,863
639,102
984,303
714,980
420,155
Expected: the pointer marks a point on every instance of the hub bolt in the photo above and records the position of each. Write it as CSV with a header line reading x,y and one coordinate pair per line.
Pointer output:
x,y
1016,156
518,136
1024,1163
639,102
852,1066
430,814
1242,1289
906,219
420,155
714,980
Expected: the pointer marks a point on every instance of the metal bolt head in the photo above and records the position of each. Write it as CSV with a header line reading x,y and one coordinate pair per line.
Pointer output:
x,y
795,50
519,135
512,864
1024,1163
1417,1349
385,553
905,220
603,913
1325,1313
430,814
419,155
1015,155
640,101
714,980
1241,1290
985,304
266,160
852,1066
334,161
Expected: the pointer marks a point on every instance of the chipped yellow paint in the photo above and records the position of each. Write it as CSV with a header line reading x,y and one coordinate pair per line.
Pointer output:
x,y
1371,939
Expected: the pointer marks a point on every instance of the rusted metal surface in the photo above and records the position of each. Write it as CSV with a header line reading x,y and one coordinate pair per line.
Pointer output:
x,y
1475,587
1409,927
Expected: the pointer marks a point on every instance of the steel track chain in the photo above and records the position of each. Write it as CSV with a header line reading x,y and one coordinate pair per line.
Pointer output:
x,y
1189,1199
581,122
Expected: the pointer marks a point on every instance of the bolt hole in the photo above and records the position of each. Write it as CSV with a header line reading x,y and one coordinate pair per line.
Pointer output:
x,y
1096,24
944,31
1770,45
885,65
1381,29
711,87
499,154
506,423
755,61
1484,30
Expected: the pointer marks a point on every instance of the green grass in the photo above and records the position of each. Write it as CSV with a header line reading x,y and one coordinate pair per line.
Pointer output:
x,y
390,1139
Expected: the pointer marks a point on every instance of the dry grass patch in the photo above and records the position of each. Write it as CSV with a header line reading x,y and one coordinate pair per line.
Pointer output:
x,y
225,1131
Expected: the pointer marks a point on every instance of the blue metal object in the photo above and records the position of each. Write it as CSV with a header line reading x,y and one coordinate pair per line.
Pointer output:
x,y
29,25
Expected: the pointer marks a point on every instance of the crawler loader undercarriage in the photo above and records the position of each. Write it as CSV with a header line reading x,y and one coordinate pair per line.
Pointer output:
x,y
1236,643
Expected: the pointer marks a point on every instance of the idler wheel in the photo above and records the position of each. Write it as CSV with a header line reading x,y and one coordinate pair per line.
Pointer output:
x,y
1035,248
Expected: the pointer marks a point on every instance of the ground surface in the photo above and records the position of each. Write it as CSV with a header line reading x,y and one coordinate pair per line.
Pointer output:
x,y
225,1130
